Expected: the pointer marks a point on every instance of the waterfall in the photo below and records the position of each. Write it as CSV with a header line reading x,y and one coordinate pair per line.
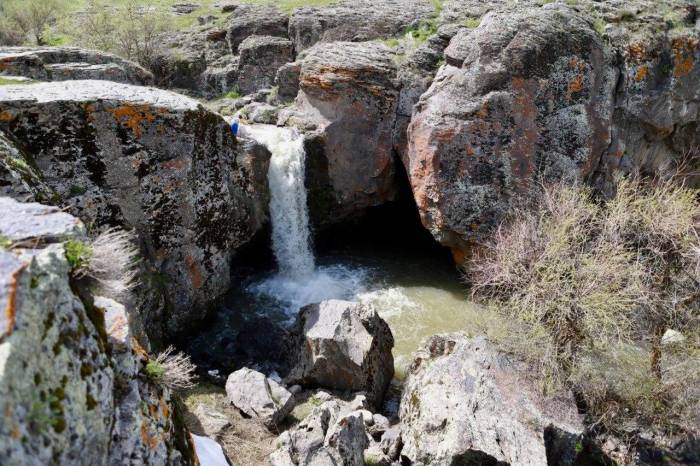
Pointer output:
x,y
288,210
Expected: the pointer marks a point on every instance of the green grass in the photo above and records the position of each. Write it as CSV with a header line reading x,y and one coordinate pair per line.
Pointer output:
x,y
288,6
231,95
77,253
154,371
472,23
5,242
13,82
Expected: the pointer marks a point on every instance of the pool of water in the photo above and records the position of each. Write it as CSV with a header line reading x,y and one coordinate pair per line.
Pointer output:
x,y
418,295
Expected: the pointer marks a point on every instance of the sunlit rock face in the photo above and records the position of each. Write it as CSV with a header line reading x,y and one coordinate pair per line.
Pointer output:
x,y
72,388
151,160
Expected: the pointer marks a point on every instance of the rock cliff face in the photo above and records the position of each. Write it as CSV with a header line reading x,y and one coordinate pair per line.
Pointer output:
x,y
72,388
67,63
148,160
537,93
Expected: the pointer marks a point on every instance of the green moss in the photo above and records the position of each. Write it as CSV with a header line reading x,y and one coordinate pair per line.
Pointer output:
x,y
5,242
13,82
77,253
231,95
472,23
154,371
76,190
599,25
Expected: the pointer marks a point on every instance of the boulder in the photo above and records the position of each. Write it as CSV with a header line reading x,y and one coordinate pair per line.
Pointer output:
x,y
259,396
328,436
348,97
213,422
356,20
67,63
287,81
342,345
260,20
464,402
71,386
152,161
525,97
260,58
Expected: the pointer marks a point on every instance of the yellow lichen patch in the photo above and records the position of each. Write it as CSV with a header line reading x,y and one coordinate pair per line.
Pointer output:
x,y
133,115
642,73
683,59
6,116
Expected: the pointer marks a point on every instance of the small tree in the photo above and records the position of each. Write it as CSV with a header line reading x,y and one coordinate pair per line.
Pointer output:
x,y
30,17
132,30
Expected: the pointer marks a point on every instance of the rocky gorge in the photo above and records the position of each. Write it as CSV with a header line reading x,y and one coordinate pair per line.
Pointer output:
x,y
423,122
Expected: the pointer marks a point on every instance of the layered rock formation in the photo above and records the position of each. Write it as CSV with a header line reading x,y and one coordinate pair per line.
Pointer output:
x,y
72,386
67,63
151,160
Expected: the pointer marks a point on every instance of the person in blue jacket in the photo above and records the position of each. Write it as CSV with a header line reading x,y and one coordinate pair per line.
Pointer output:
x,y
234,126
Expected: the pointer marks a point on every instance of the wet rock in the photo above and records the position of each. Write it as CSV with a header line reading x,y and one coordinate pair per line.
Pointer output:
x,y
465,402
67,63
260,20
70,381
342,345
259,396
349,97
260,58
356,20
152,161
526,96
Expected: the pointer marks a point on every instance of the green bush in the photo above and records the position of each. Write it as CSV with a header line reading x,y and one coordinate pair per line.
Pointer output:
x,y
595,285
22,20
78,254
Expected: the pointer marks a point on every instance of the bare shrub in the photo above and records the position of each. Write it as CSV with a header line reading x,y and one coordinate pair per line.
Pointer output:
x,y
595,285
131,30
172,370
23,19
113,262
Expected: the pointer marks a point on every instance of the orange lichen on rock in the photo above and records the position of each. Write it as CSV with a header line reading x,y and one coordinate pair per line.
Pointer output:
x,y
6,116
642,73
575,86
133,115
683,55
7,324
636,51
150,440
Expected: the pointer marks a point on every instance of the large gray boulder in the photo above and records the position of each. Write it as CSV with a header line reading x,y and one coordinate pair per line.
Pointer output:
x,y
72,390
250,20
152,161
464,402
342,345
356,20
260,58
69,63
347,100
259,396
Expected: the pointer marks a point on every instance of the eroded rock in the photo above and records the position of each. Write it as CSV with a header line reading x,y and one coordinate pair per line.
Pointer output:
x,y
342,345
154,161
260,58
259,396
70,63
464,402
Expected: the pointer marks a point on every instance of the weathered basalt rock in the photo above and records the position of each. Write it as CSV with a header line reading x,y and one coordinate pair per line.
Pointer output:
x,y
68,63
464,402
328,436
356,20
260,58
151,160
259,396
260,20
72,390
348,97
342,345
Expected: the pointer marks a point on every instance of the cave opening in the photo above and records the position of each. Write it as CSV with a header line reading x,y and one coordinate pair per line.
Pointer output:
x,y
384,257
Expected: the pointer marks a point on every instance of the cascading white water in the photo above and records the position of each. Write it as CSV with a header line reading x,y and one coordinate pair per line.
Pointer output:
x,y
288,209
298,281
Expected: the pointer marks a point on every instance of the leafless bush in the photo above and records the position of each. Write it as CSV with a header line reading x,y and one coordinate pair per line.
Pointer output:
x,y
132,30
172,370
113,262
595,286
